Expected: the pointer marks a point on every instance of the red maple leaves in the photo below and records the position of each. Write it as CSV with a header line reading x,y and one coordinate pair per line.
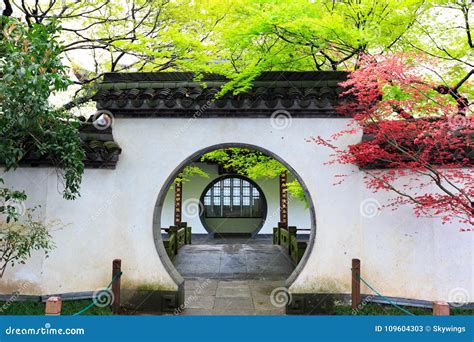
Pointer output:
x,y
417,137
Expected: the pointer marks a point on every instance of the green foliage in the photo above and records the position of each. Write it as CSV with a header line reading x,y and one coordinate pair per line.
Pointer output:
x,y
189,171
253,164
295,190
11,202
18,239
250,163
444,31
242,38
256,36
31,70
375,309
20,233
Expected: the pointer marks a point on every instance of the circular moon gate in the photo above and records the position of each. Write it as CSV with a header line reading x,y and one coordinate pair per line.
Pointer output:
x,y
174,274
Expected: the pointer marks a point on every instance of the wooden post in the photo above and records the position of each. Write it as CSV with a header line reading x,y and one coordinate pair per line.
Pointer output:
x,y
283,200
116,270
355,283
178,202
440,309
291,235
173,235
53,306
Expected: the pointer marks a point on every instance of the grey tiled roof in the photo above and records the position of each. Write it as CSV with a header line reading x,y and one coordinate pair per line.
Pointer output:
x,y
179,94
101,151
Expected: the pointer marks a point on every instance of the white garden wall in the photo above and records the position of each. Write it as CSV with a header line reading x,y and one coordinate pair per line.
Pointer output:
x,y
401,255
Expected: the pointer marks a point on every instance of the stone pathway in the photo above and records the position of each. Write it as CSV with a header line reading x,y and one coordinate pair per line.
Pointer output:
x,y
232,276
234,261
231,297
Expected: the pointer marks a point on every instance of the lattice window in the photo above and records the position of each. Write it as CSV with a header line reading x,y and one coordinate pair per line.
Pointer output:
x,y
233,197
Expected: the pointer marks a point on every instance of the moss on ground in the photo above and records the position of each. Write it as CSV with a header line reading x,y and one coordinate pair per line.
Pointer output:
x,y
373,309
153,287
71,307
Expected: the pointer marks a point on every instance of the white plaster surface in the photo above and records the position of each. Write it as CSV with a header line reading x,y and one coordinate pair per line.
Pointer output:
x,y
401,255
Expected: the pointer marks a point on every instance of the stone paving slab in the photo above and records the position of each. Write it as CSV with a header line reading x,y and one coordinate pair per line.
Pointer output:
x,y
230,271
240,292
233,261
231,297
228,303
200,302
265,288
203,283
204,291
228,278
263,303
272,312
233,283
200,312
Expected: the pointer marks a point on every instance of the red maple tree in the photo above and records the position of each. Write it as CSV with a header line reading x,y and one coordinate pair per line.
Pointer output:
x,y
414,132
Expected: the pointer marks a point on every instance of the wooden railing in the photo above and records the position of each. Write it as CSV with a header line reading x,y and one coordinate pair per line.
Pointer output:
x,y
287,238
177,238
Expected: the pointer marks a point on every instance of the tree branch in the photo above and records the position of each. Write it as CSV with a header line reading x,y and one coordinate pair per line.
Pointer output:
x,y
8,8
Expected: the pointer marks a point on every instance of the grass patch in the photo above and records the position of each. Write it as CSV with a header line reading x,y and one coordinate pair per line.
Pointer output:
x,y
374,309
69,307
73,306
